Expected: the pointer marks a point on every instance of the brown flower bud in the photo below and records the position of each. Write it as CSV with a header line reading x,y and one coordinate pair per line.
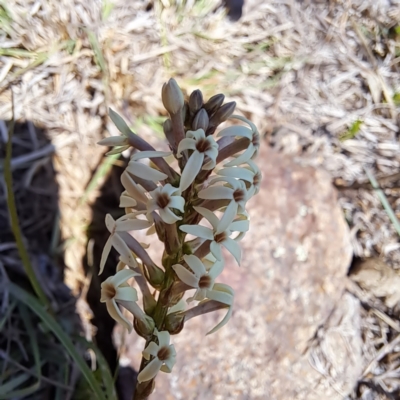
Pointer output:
x,y
195,101
174,322
201,120
155,276
214,103
144,328
172,97
221,115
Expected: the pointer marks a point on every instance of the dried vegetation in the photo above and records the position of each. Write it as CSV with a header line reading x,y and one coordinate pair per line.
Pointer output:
x,y
319,78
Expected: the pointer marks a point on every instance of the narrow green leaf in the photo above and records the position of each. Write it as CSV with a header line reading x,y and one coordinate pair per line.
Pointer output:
x,y
32,303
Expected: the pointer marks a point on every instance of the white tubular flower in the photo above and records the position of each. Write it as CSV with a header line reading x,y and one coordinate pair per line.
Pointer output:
x,y
164,357
144,171
225,295
202,146
235,191
249,173
218,236
241,131
200,278
124,224
115,289
163,199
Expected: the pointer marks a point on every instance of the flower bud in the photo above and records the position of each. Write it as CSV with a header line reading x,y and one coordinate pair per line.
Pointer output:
x,y
195,101
144,328
172,97
174,322
214,103
155,276
201,120
221,115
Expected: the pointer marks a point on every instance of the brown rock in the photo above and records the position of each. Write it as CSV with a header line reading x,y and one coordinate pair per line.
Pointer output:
x,y
293,334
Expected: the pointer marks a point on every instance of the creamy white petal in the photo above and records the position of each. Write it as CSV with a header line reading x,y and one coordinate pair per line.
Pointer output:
x,y
191,170
110,223
121,247
233,247
186,276
150,370
208,215
177,202
151,350
122,276
216,269
119,122
126,201
216,193
169,364
224,294
224,321
169,189
197,135
195,264
149,154
168,216
237,172
126,294
228,217
163,338
198,230
133,189
145,172
242,158
240,226
243,119
216,250
186,144
104,254
117,315
236,130
127,225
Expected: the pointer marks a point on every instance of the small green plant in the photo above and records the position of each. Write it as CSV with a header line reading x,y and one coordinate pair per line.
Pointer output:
x,y
172,205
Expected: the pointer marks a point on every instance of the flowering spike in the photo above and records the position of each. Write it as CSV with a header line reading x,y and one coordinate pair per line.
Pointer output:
x,y
172,203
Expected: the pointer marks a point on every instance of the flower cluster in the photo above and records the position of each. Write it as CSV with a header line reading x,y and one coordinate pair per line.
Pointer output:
x,y
206,199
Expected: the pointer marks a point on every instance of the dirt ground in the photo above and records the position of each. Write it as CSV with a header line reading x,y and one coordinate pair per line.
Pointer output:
x,y
320,79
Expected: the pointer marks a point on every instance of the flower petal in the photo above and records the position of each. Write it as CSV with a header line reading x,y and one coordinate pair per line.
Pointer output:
x,y
236,130
208,215
126,294
216,250
195,265
228,217
186,144
133,189
151,350
198,230
242,225
186,276
216,269
237,172
122,276
150,370
168,216
105,254
191,170
126,225
163,338
242,158
216,193
127,201
177,202
117,315
145,172
168,364
233,247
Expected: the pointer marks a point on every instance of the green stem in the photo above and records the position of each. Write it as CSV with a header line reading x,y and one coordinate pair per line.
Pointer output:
x,y
15,222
